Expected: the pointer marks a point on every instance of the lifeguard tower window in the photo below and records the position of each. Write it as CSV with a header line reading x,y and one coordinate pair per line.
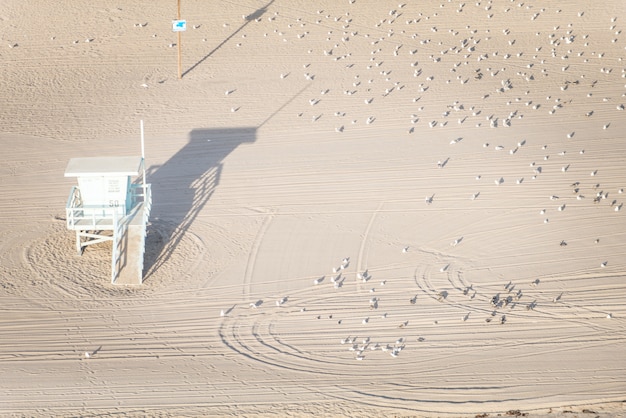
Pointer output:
x,y
107,200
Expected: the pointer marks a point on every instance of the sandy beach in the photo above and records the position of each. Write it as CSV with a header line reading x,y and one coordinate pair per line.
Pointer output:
x,y
360,208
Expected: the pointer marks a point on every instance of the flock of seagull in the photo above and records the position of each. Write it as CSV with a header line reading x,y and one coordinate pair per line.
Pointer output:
x,y
470,62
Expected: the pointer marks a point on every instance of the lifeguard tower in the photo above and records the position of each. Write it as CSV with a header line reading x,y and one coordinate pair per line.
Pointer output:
x,y
108,205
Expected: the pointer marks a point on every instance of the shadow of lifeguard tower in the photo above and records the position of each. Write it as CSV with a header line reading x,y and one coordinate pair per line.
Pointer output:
x,y
183,185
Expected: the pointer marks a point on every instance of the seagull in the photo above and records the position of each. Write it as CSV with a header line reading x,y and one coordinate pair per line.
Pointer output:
x,y
87,355
281,301
318,280
222,313
405,249
603,264
365,321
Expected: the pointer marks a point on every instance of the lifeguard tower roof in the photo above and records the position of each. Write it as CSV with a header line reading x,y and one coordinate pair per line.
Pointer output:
x,y
103,166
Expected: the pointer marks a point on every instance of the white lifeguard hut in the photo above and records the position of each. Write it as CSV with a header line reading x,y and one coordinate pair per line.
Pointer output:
x,y
108,205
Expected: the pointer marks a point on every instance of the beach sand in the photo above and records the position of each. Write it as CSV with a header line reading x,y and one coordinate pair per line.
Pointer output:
x,y
360,208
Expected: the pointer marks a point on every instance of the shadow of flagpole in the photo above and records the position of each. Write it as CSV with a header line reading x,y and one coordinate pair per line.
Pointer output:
x,y
257,14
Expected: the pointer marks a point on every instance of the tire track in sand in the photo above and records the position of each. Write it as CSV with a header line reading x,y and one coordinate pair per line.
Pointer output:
x,y
247,278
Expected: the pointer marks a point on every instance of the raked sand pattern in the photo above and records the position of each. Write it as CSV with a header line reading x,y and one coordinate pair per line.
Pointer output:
x,y
361,208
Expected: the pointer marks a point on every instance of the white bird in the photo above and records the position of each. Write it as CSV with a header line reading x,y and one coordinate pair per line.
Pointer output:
x,y
499,181
281,301
222,313
603,264
365,321
87,355
609,316
318,280
405,249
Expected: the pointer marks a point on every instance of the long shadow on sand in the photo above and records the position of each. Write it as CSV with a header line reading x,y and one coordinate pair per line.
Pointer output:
x,y
253,16
183,185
